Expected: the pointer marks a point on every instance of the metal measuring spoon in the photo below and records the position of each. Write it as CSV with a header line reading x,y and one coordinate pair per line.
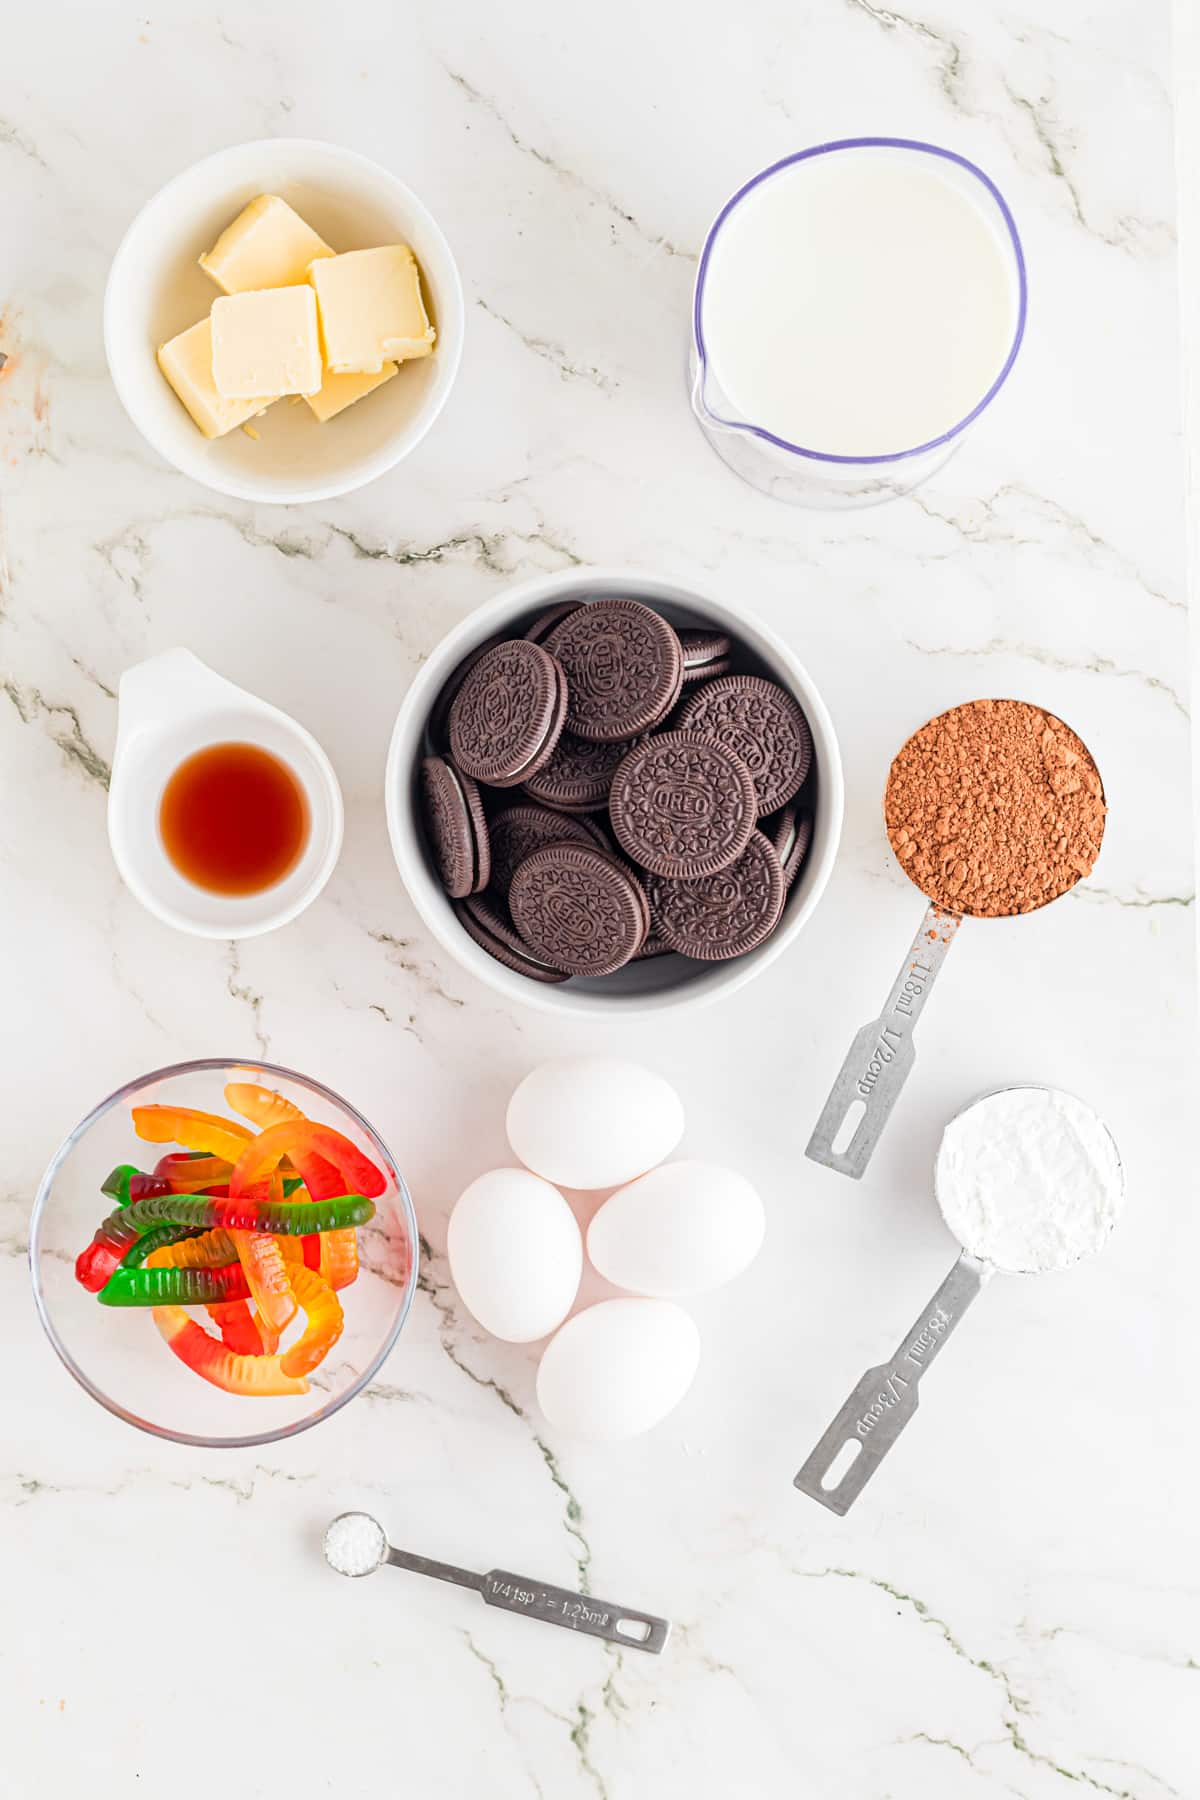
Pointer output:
x,y
879,1060
886,1397
356,1544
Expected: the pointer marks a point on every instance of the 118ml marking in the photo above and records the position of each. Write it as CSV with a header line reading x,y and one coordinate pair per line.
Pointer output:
x,y
914,987
892,1036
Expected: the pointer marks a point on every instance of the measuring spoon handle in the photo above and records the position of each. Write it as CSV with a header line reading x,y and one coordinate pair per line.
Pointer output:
x,y
879,1059
885,1399
575,1612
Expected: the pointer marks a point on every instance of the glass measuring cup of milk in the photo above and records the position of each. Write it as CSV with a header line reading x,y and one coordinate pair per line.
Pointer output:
x,y
857,307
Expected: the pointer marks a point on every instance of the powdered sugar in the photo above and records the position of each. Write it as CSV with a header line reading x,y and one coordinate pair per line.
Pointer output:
x,y
355,1544
1029,1179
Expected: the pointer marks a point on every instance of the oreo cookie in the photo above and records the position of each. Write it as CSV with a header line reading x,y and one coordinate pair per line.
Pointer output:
x,y
653,946
624,669
517,831
681,806
761,722
492,933
791,836
579,910
657,810
438,729
578,776
723,915
544,624
705,654
508,714
456,826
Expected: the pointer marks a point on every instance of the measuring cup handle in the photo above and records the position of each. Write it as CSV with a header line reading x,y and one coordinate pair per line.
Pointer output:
x,y
878,1061
885,1399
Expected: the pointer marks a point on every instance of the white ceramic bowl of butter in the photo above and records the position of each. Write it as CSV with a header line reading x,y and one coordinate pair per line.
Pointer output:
x,y
156,289
660,983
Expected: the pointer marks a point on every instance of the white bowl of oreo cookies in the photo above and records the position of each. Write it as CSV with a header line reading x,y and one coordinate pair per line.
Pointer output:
x,y
616,786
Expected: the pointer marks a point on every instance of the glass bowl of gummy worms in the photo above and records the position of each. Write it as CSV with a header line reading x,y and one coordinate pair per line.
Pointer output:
x,y
223,1253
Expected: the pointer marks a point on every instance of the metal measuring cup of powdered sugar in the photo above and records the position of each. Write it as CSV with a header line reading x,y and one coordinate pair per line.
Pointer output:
x,y
1029,1180
882,1054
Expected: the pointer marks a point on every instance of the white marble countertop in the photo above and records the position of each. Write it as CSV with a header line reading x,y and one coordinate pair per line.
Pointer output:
x,y
1014,1607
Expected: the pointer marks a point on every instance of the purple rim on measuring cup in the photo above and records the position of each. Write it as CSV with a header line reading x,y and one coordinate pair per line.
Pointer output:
x,y
863,143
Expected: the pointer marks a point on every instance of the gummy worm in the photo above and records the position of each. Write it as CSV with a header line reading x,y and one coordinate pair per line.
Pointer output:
x,y
264,1107
174,1287
282,1218
193,1129
335,1255
288,1218
323,1327
297,1138
188,1171
220,1365
161,1238
210,1250
239,1331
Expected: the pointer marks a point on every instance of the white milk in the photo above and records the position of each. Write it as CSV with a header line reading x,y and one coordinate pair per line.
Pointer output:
x,y
859,303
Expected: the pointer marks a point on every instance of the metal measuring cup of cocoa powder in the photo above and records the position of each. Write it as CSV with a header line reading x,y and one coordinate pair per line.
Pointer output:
x,y
993,809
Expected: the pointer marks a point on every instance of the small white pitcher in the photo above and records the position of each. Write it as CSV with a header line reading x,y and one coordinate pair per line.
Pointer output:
x,y
171,706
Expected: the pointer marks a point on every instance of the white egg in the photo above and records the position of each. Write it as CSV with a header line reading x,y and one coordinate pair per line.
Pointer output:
x,y
593,1121
682,1229
515,1254
617,1369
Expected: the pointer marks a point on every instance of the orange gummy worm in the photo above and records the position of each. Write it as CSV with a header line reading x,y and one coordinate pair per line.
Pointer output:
x,y
219,1365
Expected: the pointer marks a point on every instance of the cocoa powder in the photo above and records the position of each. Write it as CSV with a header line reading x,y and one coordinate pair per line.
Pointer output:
x,y
994,808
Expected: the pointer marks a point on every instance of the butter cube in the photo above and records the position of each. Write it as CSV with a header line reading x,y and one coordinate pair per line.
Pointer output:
x,y
340,391
371,309
268,245
265,344
186,361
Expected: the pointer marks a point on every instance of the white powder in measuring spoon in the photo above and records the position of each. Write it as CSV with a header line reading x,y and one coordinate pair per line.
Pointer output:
x,y
1029,1179
355,1544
